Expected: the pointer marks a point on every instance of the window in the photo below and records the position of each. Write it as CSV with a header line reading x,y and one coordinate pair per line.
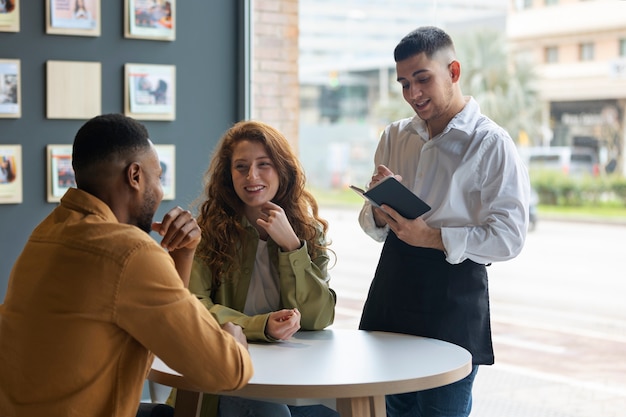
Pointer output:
x,y
551,54
551,2
523,4
622,47
586,51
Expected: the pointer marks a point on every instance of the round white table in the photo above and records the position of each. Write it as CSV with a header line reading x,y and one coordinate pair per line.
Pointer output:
x,y
357,368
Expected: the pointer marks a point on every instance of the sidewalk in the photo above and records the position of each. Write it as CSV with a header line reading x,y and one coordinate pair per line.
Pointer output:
x,y
501,390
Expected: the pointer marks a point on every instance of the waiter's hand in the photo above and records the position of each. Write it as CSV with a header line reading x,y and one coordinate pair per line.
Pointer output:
x,y
413,232
381,172
380,217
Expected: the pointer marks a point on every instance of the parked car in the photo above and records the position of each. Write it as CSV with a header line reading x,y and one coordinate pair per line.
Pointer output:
x,y
573,161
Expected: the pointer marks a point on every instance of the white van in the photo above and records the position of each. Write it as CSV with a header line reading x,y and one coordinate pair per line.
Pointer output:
x,y
571,161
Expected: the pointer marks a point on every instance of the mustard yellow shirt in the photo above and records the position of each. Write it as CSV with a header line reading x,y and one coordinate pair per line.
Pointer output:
x,y
88,300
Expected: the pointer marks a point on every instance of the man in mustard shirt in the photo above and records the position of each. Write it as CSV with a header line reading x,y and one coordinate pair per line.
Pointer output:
x,y
93,296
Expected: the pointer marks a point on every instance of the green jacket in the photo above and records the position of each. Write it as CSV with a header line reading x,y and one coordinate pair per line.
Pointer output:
x,y
303,285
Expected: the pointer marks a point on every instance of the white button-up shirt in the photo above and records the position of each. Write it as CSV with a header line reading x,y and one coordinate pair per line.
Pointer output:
x,y
472,177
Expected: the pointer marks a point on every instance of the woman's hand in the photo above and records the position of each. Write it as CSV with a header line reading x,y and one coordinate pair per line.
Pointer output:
x,y
283,324
274,221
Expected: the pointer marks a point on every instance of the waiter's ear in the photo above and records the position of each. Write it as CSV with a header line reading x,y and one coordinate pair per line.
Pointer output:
x,y
455,70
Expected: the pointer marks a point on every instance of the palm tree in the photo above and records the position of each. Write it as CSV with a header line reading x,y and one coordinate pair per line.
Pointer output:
x,y
503,86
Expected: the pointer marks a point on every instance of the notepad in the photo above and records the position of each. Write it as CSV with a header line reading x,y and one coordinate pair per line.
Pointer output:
x,y
391,192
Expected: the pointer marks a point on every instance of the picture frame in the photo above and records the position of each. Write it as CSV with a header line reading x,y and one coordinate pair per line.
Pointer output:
x,y
73,17
10,89
150,91
73,89
10,174
10,16
167,158
150,19
60,174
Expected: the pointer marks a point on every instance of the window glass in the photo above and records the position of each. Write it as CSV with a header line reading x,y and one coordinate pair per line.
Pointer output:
x,y
551,54
587,51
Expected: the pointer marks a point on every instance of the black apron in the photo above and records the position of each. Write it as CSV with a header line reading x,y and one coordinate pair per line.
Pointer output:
x,y
416,291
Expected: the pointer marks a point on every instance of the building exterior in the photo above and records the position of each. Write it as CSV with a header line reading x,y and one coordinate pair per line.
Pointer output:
x,y
579,49
348,90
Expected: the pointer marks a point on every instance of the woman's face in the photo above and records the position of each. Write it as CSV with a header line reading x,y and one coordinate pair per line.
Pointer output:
x,y
254,175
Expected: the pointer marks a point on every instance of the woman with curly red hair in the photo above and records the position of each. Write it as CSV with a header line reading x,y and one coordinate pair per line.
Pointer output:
x,y
262,262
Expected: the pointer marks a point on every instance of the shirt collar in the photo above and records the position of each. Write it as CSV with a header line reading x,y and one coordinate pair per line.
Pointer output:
x,y
81,201
463,121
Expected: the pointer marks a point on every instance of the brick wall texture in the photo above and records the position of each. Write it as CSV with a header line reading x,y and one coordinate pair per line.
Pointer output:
x,y
274,72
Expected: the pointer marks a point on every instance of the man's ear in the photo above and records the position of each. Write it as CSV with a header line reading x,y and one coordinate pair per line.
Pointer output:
x,y
455,70
133,174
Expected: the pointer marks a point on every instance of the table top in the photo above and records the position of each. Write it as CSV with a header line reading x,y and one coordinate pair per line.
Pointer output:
x,y
342,363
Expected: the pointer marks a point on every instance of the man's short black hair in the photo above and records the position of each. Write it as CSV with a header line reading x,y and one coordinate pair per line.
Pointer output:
x,y
427,39
106,137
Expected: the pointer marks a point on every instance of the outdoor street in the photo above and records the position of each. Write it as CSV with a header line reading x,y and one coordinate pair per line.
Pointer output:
x,y
558,317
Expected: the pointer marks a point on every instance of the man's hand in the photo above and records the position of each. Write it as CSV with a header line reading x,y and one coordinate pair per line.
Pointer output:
x,y
380,217
236,332
413,232
283,324
382,172
181,235
179,230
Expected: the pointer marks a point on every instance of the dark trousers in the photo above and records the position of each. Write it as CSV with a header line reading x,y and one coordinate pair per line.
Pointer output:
x,y
155,410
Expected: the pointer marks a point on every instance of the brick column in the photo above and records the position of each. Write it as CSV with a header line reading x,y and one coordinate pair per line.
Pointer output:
x,y
274,72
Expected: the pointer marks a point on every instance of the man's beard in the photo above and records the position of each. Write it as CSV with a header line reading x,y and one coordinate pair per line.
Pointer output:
x,y
144,222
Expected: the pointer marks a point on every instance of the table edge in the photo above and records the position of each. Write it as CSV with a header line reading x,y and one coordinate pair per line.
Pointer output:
x,y
325,391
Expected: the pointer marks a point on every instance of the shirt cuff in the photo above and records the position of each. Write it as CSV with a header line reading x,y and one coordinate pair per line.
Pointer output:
x,y
455,243
368,224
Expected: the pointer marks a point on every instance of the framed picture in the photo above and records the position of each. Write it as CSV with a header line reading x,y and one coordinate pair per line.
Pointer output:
x,y
10,91
9,15
10,174
73,17
60,171
150,91
167,157
150,19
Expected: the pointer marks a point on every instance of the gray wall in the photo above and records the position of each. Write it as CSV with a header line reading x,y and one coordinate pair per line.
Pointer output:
x,y
206,53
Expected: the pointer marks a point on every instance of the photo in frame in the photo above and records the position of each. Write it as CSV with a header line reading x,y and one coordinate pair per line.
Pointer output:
x,y
167,158
150,91
60,171
10,174
10,91
150,19
9,15
73,17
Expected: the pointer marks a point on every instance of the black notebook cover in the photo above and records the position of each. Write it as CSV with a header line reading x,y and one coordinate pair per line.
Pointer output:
x,y
391,192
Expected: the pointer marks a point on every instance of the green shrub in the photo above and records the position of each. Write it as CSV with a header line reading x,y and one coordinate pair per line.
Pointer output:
x,y
558,189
